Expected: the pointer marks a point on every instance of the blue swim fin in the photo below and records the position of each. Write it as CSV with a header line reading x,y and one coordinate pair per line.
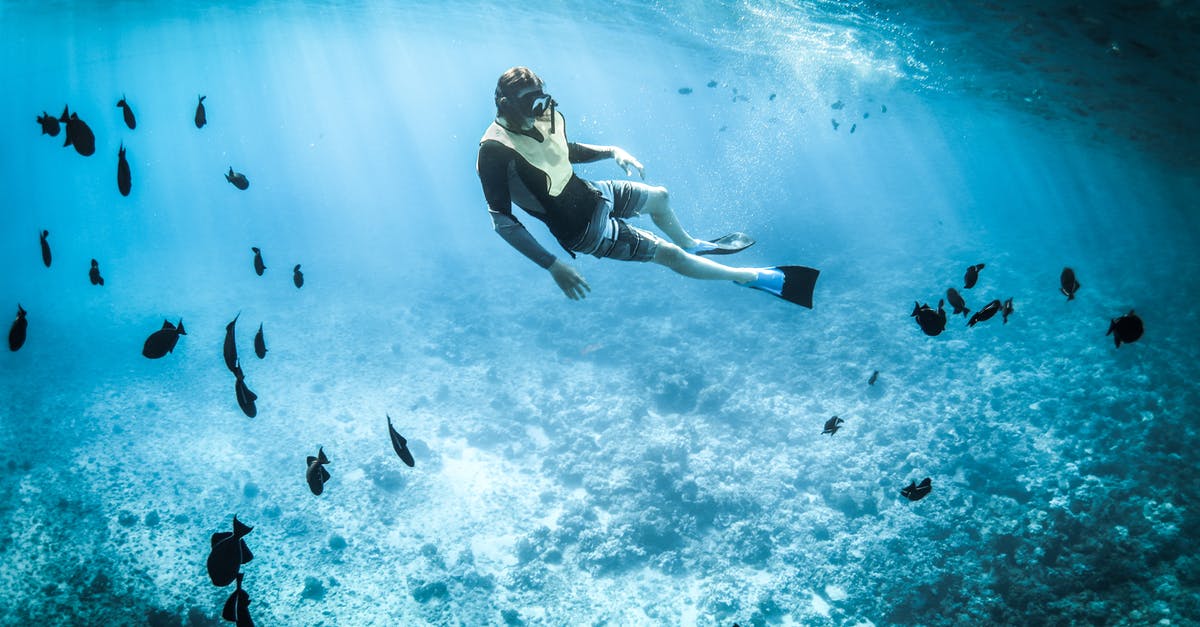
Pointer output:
x,y
791,283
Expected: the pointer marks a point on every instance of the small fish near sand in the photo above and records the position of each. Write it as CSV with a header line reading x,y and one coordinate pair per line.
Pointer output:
x,y
237,178
931,322
45,247
316,475
917,491
229,349
986,313
16,334
163,341
127,113
832,425
297,277
956,301
874,378
1126,329
79,134
94,274
124,177
229,552
972,275
260,345
245,397
1068,285
399,444
258,261
237,606
50,125
201,115
1006,310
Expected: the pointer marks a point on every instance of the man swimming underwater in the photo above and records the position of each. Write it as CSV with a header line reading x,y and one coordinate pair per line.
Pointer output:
x,y
525,158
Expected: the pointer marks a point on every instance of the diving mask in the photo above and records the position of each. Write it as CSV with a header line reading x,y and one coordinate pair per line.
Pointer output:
x,y
534,104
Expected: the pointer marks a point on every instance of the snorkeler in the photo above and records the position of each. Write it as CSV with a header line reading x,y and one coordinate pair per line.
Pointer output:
x,y
525,158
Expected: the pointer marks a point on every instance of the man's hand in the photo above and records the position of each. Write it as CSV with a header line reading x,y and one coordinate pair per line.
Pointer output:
x,y
627,162
569,280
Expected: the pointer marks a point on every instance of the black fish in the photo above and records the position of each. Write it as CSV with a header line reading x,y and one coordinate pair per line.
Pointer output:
x,y
986,313
237,178
229,552
45,248
1068,283
127,112
230,348
124,179
832,425
201,118
853,127
399,444
245,397
260,345
685,90
316,475
1128,328
874,378
931,322
297,277
94,274
712,83
917,491
16,335
258,262
163,340
972,275
79,134
237,606
837,106
49,124
957,302
1007,310
835,123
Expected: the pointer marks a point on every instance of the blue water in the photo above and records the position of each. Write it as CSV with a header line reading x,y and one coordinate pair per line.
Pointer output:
x,y
651,455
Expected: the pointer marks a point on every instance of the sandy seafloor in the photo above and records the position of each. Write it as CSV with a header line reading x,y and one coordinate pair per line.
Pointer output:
x,y
651,455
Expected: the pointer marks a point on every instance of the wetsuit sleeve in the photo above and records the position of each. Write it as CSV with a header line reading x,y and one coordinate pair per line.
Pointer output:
x,y
492,165
586,153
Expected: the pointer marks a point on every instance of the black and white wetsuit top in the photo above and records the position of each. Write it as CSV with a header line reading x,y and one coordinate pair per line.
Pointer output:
x,y
533,170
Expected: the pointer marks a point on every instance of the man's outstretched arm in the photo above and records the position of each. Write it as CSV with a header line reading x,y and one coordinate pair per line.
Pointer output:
x,y
587,153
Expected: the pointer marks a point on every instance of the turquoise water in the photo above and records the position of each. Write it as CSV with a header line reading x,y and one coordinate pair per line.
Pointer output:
x,y
651,455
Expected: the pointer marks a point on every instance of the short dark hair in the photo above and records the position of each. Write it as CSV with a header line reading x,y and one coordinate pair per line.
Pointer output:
x,y
514,80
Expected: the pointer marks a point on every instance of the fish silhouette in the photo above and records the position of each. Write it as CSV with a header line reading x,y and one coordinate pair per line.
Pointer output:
x,y
79,134
957,302
972,275
16,334
237,606
94,274
163,340
201,117
258,261
124,178
1128,328
245,397
230,347
832,425
399,444
127,112
316,475
260,345
1006,310
237,178
1068,283
297,277
45,248
917,491
986,313
49,124
874,378
931,322
229,552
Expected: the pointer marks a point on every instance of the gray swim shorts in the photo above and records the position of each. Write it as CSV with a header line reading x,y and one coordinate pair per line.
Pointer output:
x,y
607,234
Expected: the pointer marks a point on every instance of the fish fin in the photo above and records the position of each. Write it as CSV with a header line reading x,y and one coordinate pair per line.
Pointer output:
x,y
321,456
324,475
240,528
309,460
180,327
246,554
167,324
